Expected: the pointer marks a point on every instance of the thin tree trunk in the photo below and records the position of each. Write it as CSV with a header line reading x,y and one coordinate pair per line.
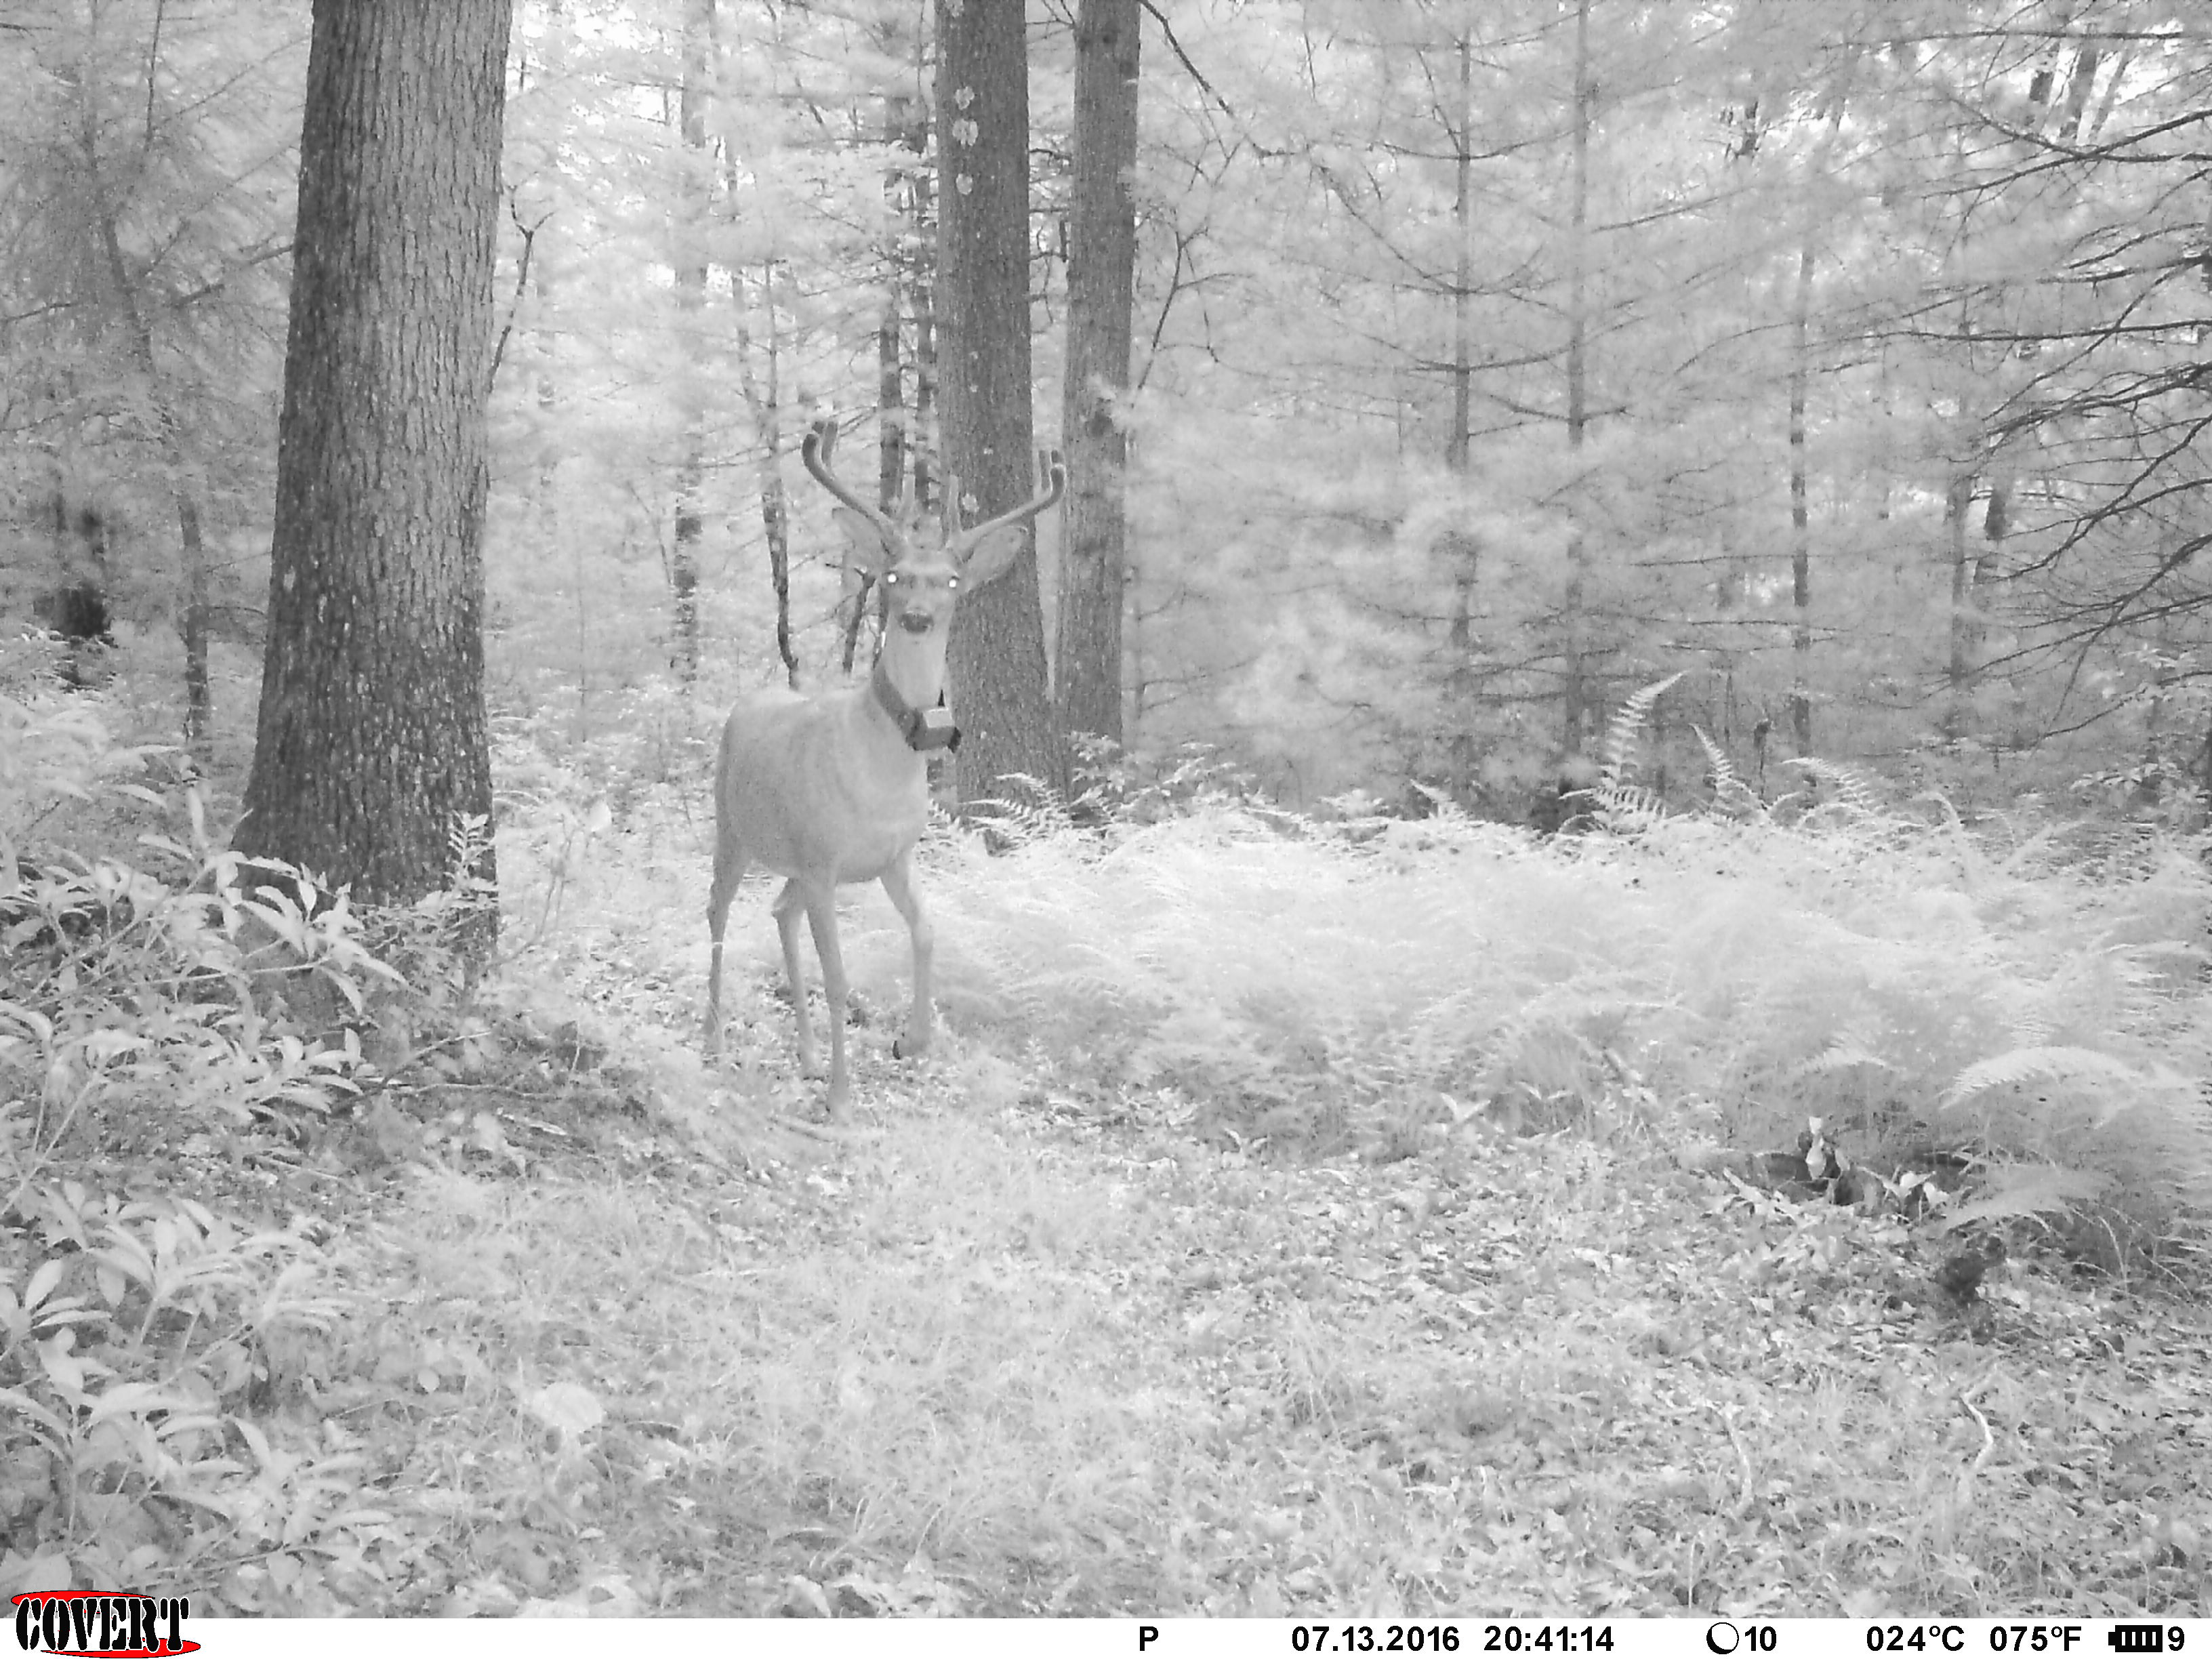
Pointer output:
x,y
193,623
1101,267
372,738
890,402
906,127
693,199
901,131
1982,574
1576,622
921,290
1997,524
1961,667
996,656
2077,95
1459,685
1801,520
921,249
766,402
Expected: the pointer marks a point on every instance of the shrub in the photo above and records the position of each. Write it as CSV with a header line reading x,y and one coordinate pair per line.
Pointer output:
x,y
143,1007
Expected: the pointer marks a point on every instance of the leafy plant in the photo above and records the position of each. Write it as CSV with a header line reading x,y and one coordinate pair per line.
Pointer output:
x,y
140,1339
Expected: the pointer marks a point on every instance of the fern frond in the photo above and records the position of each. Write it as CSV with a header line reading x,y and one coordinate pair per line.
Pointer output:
x,y
2019,1191
1625,809
1616,761
1842,1054
1851,786
1730,793
2020,1068
1028,812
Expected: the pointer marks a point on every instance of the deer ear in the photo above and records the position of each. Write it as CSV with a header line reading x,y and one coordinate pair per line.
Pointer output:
x,y
870,551
992,555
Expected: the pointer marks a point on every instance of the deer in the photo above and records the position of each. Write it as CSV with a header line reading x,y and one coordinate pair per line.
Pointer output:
x,y
834,788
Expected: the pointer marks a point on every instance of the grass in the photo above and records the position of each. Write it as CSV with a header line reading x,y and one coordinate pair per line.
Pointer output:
x,y
1296,1219
983,1363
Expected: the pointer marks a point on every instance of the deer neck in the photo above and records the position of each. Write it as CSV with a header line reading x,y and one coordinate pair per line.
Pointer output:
x,y
909,675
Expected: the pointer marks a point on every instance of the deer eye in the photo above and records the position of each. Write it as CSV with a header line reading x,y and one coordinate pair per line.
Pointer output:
x,y
952,582
892,579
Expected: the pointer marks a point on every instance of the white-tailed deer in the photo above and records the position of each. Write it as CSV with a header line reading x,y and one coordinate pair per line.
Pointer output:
x,y
835,788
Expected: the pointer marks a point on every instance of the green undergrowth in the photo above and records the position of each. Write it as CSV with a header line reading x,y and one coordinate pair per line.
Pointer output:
x,y
1310,1216
1320,985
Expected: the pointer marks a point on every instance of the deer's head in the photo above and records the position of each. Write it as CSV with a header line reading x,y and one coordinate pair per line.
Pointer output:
x,y
922,581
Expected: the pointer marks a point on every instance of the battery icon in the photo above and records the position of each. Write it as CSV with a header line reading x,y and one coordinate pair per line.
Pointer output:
x,y
2137,1639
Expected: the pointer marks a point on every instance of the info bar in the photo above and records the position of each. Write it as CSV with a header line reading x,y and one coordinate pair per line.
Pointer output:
x,y
1712,1636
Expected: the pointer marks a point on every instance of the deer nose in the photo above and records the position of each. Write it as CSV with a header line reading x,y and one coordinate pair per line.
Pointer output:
x,y
917,622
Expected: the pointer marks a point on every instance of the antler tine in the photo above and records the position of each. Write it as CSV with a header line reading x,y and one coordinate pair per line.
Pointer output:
x,y
821,442
1056,468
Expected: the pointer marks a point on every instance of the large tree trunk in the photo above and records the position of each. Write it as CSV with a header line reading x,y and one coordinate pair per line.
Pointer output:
x,y
1101,266
371,737
996,655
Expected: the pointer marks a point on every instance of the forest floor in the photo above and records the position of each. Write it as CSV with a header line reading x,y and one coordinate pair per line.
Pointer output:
x,y
1004,1350
576,1322
1016,1343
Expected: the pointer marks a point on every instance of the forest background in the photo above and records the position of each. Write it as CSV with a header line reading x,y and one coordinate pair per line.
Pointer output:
x,y
1490,362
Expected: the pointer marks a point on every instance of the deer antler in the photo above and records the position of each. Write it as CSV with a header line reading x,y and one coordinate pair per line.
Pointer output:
x,y
821,442
961,541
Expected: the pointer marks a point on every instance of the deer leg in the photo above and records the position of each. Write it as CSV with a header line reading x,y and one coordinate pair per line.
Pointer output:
x,y
729,865
789,904
822,916
898,883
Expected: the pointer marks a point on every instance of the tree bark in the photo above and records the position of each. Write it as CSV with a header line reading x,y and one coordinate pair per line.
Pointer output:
x,y
996,656
372,735
1101,273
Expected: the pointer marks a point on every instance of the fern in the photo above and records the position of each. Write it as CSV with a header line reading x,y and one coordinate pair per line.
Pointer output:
x,y
1626,809
2020,1068
1844,1053
1851,786
1031,812
1854,965
1731,794
2029,1191
1617,759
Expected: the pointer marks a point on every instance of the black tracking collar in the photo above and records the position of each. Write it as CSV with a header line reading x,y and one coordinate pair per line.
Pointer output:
x,y
925,730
